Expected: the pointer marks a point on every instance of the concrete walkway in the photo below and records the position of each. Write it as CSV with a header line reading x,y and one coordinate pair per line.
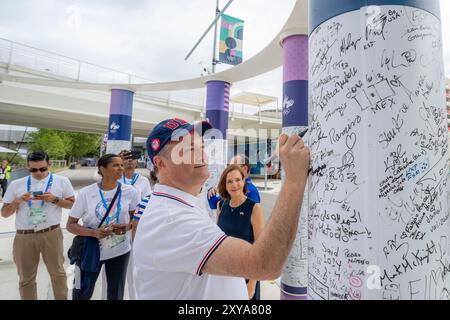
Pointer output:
x,y
82,177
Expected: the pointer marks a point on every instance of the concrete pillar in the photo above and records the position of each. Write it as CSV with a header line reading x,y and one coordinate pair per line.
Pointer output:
x,y
295,120
378,208
119,129
216,145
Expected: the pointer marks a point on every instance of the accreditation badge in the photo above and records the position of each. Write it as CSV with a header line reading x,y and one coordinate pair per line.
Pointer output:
x,y
116,240
37,216
111,241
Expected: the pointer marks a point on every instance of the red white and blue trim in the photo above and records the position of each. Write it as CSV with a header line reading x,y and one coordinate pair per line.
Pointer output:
x,y
169,196
141,208
209,253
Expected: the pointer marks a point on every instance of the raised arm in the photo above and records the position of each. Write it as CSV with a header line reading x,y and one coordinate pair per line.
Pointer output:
x,y
266,257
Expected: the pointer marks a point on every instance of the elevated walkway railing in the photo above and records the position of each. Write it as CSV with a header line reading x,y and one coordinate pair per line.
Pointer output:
x,y
50,64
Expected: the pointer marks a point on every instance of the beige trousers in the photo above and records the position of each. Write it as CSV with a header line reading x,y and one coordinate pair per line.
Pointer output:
x,y
27,249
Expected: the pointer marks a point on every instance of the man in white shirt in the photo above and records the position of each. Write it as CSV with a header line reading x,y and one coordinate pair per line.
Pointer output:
x,y
179,252
130,176
38,200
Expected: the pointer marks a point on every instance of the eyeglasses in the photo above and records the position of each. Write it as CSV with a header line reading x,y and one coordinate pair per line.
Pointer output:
x,y
43,169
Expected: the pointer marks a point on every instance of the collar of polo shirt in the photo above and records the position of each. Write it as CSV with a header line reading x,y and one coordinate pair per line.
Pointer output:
x,y
183,198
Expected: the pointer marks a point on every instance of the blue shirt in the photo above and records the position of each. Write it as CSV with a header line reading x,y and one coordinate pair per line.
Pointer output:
x,y
252,194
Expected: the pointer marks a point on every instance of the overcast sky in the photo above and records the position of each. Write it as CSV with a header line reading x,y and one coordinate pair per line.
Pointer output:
x,y
150,38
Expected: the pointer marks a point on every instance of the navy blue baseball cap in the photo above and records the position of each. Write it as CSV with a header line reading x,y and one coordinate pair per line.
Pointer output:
x,y
171,130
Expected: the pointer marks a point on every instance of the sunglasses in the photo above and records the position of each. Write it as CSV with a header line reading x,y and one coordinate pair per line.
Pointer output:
x,y
43,169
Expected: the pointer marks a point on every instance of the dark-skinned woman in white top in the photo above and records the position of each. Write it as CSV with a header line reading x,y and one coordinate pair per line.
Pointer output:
x,y
114,236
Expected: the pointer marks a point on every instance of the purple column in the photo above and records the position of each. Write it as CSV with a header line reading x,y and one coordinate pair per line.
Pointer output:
x,y
217,105
295,119
216,146
119,129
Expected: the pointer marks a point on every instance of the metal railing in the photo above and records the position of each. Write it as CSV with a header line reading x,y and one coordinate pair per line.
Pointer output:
x,y
58,163
21,55
262,111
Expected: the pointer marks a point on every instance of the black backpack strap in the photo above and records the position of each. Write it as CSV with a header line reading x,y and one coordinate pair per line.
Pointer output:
x,y
111,204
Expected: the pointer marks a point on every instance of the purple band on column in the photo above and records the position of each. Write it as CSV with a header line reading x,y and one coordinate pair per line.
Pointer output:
x,y
217,105
121,102
295,55
217,95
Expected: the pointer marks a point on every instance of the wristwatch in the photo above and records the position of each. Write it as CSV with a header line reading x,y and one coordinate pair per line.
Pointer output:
x,y
56,200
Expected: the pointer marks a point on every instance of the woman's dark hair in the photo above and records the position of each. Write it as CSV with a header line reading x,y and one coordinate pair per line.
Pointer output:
x,y
105,160
223,181
37,156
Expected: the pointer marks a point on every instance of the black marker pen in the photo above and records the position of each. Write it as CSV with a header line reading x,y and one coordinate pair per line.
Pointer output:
x,y
302,134
275,156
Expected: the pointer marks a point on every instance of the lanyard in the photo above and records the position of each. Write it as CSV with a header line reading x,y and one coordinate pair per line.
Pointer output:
x,y
47,189
105,205
132,180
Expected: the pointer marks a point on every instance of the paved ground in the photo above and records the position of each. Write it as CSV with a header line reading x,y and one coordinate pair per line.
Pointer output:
x,y
80,178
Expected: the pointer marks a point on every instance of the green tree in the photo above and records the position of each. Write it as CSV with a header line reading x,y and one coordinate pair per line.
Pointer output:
x,y
50,141
65,144
83,144
14,159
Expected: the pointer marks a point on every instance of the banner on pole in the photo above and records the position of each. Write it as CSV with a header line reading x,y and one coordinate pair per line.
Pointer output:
x,y
231,36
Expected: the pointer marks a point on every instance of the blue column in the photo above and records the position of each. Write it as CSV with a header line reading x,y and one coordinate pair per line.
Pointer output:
x,y
120,116
378,208
295,119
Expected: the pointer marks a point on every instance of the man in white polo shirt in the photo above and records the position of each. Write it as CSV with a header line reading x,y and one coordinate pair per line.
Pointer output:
x,y
179,253
38,200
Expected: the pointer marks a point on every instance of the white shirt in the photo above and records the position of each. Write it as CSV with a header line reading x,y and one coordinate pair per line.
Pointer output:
x,y
60,187
173,242
90,209
142,184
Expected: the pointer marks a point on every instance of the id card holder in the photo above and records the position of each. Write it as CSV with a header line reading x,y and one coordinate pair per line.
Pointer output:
x,y
111,241
37,217
105,243
2,176
116,240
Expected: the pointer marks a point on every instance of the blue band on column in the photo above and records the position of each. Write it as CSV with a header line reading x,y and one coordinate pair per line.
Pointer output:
x,y
293,290
219,120
323,10
295,103
119,127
